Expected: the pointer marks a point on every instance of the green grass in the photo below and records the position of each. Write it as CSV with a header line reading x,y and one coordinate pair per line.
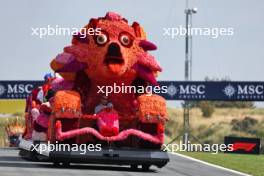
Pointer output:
x,y
250,164
12,106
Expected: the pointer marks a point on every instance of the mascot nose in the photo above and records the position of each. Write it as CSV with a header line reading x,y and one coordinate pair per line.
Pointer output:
x,y
114,50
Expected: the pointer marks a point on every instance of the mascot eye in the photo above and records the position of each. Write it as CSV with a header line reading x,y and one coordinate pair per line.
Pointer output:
x,y
125,40
101,39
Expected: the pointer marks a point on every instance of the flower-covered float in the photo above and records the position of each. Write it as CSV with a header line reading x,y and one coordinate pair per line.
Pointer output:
x,y
71,109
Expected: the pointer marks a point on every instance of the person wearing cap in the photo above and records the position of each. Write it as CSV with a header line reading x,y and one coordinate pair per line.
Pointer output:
x,y
104,103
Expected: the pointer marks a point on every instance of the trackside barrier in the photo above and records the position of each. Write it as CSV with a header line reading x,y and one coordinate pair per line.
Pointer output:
x,y
174,90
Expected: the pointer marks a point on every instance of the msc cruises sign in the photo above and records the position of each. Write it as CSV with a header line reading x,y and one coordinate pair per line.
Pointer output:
x,y
17,89
213,90
176,90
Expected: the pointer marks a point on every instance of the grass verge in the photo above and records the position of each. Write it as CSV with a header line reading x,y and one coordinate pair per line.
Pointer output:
x,y
12,106
250,164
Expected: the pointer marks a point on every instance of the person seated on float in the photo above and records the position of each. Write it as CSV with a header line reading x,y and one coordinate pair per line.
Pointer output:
x,y
104,104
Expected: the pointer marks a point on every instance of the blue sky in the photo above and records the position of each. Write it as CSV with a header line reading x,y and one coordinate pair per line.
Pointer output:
x,y
240,57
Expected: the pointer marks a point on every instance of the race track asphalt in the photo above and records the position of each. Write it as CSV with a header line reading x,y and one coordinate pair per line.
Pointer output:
x,y
11,164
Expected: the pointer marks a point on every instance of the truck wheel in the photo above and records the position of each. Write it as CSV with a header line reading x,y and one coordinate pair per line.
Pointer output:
x,y
66,164
56,164
134,166
145,167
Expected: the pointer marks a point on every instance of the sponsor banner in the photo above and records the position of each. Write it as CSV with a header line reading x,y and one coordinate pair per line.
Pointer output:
x,y
17,89
212,90
175,90
243,145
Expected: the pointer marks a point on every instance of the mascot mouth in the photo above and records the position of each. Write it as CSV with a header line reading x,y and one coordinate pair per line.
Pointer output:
x,y
113,59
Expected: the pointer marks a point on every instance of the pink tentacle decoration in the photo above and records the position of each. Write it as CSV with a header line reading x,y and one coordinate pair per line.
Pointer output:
x,y
61,84
149,61
80,51
73,66
64,58
147,45
121,136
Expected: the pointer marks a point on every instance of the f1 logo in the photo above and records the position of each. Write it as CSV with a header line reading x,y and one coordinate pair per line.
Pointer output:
x,y
243,146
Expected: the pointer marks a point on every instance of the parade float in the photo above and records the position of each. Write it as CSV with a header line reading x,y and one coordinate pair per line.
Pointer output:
x,y
70,109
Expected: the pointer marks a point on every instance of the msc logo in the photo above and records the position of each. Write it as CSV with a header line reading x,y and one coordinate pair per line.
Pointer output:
x,y
19,88
250,89
243,90
229,90
2,89
189,89
172,90
192,89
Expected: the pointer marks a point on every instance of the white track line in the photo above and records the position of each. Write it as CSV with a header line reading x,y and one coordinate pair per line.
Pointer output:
x,y
210,164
